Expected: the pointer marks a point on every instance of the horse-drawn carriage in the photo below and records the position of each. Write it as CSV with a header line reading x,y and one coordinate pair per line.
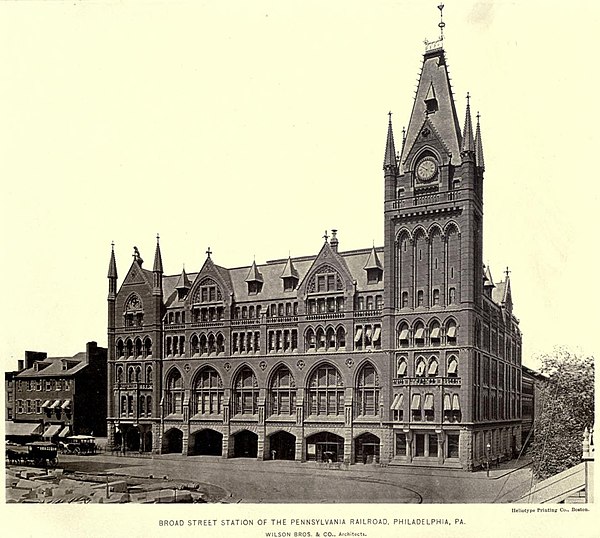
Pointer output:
x,y
78,444
38,453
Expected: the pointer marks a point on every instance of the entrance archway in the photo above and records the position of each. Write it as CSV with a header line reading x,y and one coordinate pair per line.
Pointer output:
x,y
325,447
282,446
206,443
366,448
245,445
132,439
172,441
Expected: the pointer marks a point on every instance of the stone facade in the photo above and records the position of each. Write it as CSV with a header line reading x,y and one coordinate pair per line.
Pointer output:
x,y
404,354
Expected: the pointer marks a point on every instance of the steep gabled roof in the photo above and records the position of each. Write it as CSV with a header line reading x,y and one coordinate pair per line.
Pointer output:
x,y
434,84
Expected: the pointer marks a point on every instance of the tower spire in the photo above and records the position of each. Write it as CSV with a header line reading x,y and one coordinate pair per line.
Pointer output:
x,y
158,265
389,160
112,265
468,144
479,146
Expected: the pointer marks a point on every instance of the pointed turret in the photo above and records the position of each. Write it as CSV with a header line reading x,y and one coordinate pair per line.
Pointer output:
x,y
468,143
479,146
112,265
289,271
158,264
488,278
390,163
157,270
183,282
254,274
112,274
373,261
289,276
373,267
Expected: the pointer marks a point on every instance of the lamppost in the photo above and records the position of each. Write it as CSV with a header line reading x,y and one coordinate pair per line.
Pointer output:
x,y
488,449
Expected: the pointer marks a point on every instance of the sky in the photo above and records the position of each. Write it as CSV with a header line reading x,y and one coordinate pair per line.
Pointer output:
x,y
252,127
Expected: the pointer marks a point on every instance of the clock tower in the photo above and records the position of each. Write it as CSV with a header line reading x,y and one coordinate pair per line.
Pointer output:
x,y
433,248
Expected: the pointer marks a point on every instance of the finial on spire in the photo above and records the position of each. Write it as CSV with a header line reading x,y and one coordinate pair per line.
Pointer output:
x,y
326,237
507,272
442,24
468,99
112,245
208,252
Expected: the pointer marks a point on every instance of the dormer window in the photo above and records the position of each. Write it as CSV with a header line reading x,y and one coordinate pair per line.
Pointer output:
x,y
289,283
254,288
431,104
254,280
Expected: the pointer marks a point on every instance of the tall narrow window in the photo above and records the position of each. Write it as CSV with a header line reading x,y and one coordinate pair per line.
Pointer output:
x,y
282,394
246,393
174,393
326,392
367,392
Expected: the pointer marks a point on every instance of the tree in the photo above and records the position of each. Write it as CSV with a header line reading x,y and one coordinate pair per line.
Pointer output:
x,y
564,408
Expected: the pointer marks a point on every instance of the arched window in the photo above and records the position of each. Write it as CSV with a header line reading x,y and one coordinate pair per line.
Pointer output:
x,y
147,347
452,366
138,347
419,333
120,348
434,332
149,374
330,338
311,341
420,367
130,374
451,331
403,335
401,367
203,344
195,343
220,343
174,393
208,392
129,346
168,346
142,405
326,391
432,370
148,405
367,391
341,337
119,377
320,338
123,405
138,374
282,395
211,343
245,393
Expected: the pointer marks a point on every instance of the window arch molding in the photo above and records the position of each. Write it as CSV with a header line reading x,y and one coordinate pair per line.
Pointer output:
x,y
366,389
282,388
245,390
425,151
208,391
174,390
325,388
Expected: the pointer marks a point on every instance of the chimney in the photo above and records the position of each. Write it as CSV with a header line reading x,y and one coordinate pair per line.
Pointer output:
x,y
20,364
334,240
32,356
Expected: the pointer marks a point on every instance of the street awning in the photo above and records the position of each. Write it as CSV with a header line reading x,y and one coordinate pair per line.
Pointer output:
x,y
65,432
452,367
451,331
52,430
66,404
368,332
21,428
397,403
415,405
455,403
46,404
55,404
435,332
447,403
376,334
419,333
403,334
402,368
428,405
433,367
420,368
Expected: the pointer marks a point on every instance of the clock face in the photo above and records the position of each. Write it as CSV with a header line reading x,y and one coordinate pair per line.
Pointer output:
x,y
426,170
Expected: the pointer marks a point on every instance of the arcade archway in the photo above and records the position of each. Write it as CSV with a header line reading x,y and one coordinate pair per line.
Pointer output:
x,y
245,444
282,446
206,443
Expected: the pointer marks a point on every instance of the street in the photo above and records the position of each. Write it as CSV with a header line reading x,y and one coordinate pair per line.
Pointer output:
x,y
252,481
